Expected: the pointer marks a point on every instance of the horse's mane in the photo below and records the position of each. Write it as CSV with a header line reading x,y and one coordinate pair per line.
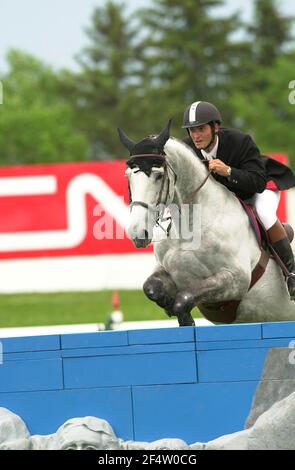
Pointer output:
x,y
180,155
178,152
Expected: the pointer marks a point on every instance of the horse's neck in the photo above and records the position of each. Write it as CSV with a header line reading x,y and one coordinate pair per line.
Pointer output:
x,y
219,207
193,186
191,173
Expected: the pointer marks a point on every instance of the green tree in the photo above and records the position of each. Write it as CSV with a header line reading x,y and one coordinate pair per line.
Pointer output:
x,y
102,92
188,54
270,32
36,125
269,116
260,96
268,37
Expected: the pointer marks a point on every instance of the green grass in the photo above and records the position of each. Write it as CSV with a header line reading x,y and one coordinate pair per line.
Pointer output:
x,y
74,307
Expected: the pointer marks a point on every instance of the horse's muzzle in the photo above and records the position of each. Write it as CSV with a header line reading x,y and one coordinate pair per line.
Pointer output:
x,y
142,240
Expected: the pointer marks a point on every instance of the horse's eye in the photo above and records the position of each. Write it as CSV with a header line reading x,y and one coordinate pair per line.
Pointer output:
x,y
159,176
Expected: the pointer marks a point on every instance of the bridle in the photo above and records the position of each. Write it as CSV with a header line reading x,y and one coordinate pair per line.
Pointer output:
x,y
144,162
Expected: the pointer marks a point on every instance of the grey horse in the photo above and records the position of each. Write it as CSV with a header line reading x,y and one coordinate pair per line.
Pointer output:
x,y
214,266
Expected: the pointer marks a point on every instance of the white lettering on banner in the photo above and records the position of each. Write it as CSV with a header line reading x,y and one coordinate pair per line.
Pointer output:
x,y
79,186
28,185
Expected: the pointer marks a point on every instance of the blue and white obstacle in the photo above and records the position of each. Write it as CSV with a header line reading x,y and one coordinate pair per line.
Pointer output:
x,y
192,383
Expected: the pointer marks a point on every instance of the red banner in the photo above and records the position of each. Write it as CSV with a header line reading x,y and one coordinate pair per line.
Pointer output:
x,y
53,210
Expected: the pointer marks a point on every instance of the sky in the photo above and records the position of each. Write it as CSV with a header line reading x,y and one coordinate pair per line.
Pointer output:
x,y
53,30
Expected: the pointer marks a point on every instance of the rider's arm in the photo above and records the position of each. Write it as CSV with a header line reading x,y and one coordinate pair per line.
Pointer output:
x,y
249,175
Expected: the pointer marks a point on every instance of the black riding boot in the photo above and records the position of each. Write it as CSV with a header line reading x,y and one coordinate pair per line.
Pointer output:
x,y
284,250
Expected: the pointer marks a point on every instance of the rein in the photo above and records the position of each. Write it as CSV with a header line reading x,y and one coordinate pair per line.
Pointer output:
x,y
192,195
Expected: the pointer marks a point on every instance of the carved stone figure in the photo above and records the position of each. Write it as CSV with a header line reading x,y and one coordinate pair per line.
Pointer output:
x,y
14,434
274,429
161,444
88,433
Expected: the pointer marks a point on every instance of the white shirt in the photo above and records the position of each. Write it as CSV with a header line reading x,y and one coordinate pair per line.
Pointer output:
x,y
211,155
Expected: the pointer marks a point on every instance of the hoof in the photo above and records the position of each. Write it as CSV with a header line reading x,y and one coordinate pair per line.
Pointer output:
x,y
169,311
183,304
186,320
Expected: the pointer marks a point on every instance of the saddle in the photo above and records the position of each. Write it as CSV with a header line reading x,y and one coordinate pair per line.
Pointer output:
x,y
226,312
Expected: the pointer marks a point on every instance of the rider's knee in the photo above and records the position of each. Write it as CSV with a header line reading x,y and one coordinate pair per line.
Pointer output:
x,y
266,205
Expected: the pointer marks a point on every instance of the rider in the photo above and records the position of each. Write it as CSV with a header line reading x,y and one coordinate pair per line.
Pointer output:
x,y
236,162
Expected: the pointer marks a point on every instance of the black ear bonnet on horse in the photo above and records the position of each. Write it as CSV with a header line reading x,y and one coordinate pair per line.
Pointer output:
x,y
147,153
153,144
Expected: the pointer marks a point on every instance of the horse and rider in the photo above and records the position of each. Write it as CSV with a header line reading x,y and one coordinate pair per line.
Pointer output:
x,y
220,275
236,162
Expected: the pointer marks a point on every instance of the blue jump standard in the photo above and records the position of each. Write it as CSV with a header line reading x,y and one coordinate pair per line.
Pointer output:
x,y
193,383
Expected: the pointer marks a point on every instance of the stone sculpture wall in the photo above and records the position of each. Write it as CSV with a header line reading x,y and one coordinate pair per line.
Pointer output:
x,y
194,384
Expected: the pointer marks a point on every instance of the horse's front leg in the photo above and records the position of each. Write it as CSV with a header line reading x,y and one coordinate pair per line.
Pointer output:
x,y
160,288
182,307
223,286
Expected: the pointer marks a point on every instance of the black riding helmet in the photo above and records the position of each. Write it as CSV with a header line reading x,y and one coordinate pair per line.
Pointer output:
x,y
199,113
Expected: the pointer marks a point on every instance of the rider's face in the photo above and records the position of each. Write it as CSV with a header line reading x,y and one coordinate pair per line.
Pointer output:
x,y
201,135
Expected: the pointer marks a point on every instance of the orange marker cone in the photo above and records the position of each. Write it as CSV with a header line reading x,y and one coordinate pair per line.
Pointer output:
x,y
115,300
115,318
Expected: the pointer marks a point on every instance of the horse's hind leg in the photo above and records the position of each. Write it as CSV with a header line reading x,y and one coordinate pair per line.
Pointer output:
x,y
160,288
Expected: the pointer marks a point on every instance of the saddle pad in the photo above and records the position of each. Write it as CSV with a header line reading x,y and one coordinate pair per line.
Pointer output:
x,y
255,223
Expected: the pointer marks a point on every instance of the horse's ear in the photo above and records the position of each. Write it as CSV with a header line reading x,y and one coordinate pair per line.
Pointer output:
x,y
164,134
128,143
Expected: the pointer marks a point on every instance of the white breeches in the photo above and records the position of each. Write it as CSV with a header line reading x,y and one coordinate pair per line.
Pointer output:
x,y
266,205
